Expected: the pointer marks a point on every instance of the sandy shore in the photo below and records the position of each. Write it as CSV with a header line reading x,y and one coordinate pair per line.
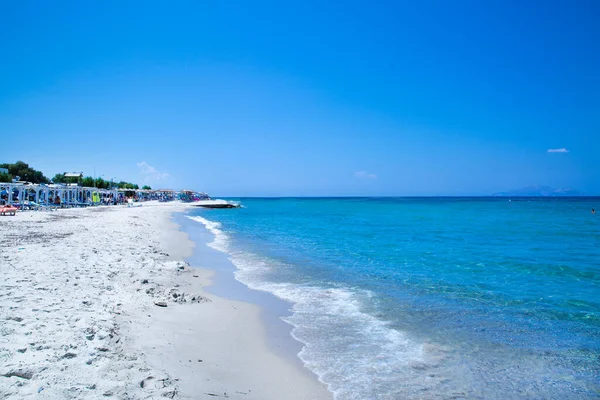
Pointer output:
x,y
98,303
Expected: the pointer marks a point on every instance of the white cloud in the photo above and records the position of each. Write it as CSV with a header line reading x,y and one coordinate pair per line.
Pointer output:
x,y
365,175
561,150
151,172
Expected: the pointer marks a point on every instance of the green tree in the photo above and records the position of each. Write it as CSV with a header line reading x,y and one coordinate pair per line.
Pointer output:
x,y
59,178
100,183
25,172
146,187
4,177
88,181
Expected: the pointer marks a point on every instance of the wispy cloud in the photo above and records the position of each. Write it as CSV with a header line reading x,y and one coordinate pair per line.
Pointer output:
x,y
151,172
365,175
561,150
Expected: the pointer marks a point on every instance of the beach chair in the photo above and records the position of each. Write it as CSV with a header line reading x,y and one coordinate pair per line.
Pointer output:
x,y
32,205
42,206
20,206
4,210
75,204
50,206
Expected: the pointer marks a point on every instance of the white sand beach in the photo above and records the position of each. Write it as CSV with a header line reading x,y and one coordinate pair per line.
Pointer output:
x,y
99,303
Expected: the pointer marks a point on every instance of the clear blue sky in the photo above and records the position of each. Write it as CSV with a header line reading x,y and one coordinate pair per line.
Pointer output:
x,y
306,97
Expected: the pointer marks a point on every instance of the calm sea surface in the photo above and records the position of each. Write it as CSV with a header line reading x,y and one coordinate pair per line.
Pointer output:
x,y
426,298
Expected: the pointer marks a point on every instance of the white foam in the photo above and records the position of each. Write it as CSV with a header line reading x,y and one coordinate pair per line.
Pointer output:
x,y
221,239
356,354
351,351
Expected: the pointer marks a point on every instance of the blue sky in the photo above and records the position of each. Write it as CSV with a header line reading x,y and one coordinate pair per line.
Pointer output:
x,y
243,98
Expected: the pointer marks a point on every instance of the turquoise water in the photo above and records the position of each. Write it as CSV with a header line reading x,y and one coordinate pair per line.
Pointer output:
x,y
425,298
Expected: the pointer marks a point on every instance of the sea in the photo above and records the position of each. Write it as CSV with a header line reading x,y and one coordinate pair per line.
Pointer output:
x,y
428,298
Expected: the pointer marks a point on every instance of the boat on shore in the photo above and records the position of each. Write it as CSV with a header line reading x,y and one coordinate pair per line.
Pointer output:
x,y
217,203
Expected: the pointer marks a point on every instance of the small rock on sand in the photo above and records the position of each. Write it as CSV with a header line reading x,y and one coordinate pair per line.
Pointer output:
x,y
19,374
160,303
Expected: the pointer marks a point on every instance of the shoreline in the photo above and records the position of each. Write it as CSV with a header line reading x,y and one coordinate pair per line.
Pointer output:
x,y
82,311
223,283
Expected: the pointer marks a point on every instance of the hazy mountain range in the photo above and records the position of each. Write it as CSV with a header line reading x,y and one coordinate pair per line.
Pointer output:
x,y
541,191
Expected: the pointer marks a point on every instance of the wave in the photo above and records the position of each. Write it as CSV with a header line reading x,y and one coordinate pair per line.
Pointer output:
x,y
355,354
220,242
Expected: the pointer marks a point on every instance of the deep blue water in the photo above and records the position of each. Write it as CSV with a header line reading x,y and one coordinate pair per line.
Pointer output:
x,y
425,298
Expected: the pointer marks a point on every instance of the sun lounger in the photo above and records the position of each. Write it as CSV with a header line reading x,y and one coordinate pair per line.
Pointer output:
x,y
20,206
75,204
42,206
8,210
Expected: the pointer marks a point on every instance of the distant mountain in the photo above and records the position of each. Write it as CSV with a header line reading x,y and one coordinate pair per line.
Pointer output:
x,y
540,191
